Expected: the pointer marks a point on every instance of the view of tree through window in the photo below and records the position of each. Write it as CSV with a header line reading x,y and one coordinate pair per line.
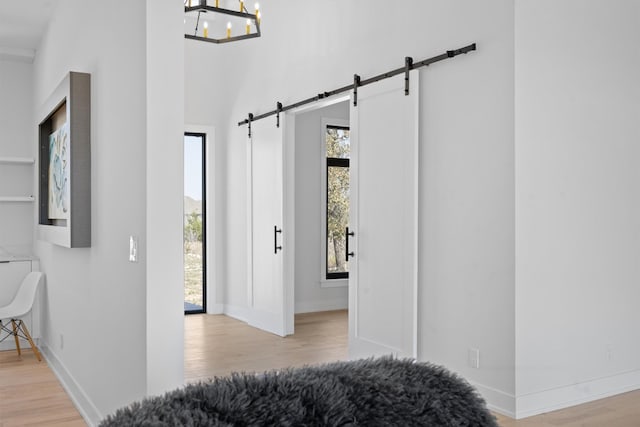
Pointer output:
x,y
338,153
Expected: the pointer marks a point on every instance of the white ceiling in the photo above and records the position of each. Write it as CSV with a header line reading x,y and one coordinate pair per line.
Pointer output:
x,y
22,24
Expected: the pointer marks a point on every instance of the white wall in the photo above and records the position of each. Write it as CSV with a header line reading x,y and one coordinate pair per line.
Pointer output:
x,y
165,195
309,143
578,201
112,329
16,110
467,196
466,267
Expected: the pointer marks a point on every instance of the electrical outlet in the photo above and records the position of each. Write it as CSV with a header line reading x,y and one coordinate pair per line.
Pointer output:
x,y
474,358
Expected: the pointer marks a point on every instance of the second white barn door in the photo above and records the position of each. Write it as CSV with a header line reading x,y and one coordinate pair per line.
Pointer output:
x,y
266,261
383,270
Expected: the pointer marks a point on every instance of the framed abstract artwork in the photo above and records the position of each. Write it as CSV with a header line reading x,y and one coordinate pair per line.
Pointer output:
x,y
64,164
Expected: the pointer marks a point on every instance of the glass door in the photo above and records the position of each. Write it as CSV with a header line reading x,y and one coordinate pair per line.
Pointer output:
x,y
194,224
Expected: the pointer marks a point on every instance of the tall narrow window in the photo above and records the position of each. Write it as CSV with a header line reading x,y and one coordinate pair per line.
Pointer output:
x,y
337,201
194,225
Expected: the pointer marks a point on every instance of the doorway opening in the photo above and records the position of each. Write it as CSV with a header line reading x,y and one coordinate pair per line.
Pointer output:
x,y
287,222
322,202
194,224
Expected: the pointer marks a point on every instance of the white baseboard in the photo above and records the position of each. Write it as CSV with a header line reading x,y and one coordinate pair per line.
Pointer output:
x,y
497,400
321,305
79,398
237,312
576,394
215,308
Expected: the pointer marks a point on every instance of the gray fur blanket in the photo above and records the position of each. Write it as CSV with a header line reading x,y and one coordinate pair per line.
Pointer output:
x,y
371,392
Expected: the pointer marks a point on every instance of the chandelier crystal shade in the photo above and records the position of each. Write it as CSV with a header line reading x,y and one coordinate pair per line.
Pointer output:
x,y
206,21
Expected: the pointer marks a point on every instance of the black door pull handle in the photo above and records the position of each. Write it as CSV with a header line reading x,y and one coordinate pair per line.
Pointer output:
x,y
276,248
346,238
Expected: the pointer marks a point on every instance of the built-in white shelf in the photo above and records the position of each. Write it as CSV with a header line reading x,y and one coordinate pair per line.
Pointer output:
x,y
17,160
17,198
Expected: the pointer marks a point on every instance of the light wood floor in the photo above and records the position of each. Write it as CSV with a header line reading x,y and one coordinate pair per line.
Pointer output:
x,y
622,410
31,395
218,345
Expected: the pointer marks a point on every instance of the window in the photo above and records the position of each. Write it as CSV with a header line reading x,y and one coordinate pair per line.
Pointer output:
x,y
194,225
337,200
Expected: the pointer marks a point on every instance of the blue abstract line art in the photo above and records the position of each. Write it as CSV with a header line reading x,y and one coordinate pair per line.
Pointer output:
x,y
59,165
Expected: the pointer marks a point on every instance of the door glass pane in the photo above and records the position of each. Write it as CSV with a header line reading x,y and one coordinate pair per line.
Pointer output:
x,y
194,248
337,217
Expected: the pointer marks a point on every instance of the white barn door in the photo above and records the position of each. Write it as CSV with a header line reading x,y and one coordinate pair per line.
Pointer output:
x,y
266,234
383,271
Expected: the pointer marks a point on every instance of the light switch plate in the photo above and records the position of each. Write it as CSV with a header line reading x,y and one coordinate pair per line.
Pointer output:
x,y
133,249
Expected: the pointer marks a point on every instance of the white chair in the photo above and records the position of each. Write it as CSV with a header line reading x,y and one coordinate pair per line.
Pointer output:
x,y
20,306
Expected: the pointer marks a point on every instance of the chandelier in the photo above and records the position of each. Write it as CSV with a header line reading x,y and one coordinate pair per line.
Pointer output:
x,y
206,21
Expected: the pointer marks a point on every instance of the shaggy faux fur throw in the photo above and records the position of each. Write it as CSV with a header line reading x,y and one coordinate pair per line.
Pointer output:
x,y
371,392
